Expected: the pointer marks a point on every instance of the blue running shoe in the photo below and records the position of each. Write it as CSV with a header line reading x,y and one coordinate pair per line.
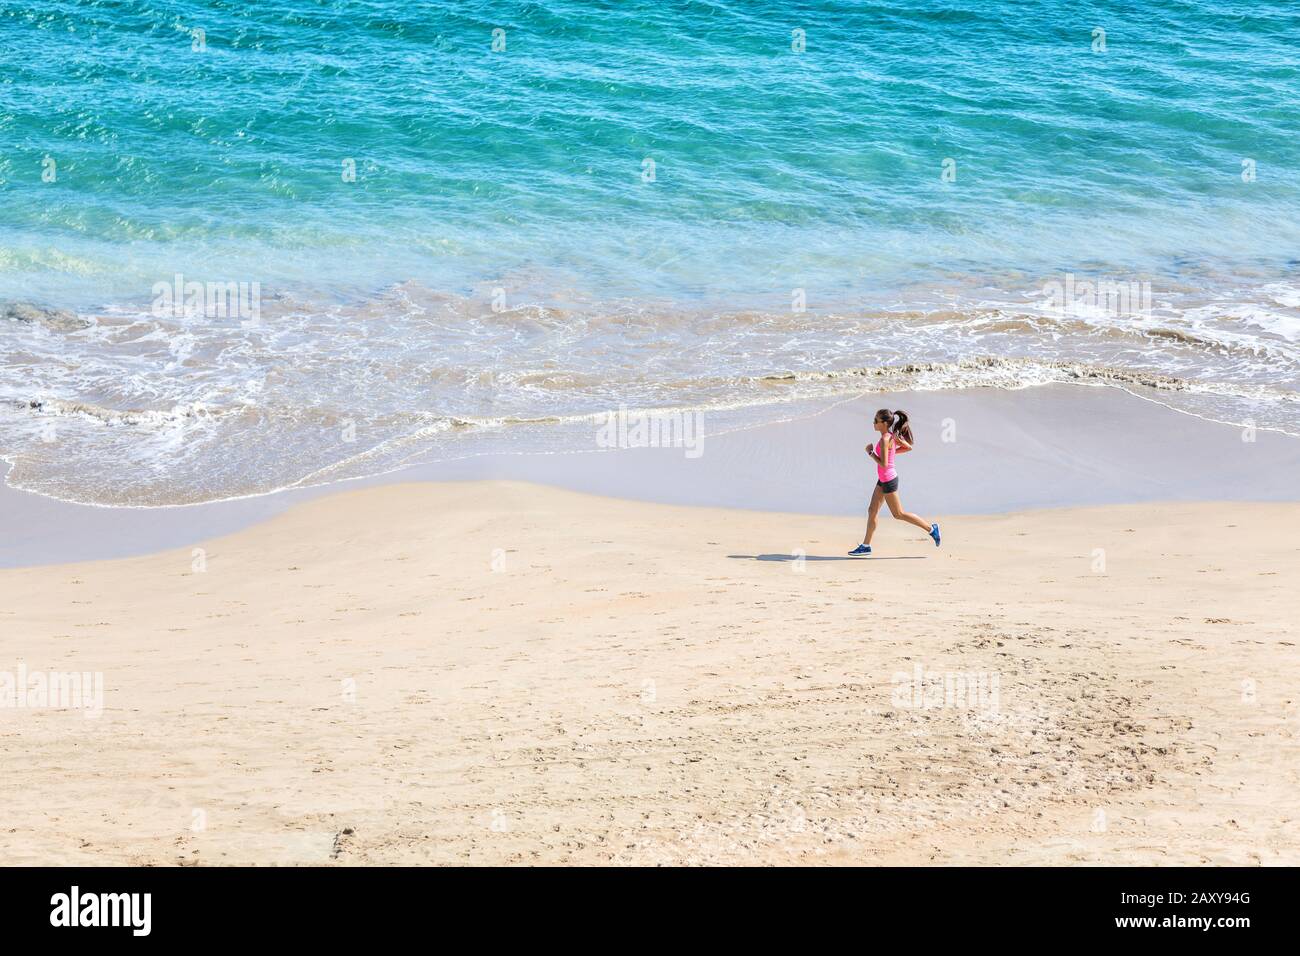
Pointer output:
x,y
860,550
934,533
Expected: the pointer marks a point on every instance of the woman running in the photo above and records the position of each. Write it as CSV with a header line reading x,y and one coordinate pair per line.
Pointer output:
x,y
895,438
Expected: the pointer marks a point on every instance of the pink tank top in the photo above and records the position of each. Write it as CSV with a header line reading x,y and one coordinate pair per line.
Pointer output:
x,y
886,471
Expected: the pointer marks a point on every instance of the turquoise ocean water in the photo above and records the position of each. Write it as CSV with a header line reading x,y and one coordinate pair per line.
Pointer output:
x,y
472,224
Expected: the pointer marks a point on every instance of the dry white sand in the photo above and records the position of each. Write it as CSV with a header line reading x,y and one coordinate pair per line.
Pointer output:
x,y
496,672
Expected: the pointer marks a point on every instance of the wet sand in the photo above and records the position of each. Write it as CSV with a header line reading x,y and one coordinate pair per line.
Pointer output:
x,y
979,451
490,671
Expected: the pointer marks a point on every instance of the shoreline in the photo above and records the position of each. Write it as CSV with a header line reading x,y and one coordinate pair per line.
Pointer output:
x,y
1053,446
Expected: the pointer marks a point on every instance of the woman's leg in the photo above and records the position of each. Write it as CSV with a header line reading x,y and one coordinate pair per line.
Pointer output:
x,y
876,497
896,509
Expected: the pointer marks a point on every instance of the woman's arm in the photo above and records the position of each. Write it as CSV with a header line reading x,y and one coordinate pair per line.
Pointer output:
x,y
904,446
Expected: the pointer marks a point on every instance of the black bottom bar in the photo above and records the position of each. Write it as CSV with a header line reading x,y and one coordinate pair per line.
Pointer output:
x,y
1222,906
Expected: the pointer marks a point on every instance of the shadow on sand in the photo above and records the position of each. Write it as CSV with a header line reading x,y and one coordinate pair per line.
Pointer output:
x,y
824,557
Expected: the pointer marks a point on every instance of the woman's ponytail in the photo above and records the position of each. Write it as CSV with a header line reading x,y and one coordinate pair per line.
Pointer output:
x,y
901,427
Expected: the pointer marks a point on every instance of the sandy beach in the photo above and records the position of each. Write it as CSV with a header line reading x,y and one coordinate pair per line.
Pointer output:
x,y
491,671
979,451
436,434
